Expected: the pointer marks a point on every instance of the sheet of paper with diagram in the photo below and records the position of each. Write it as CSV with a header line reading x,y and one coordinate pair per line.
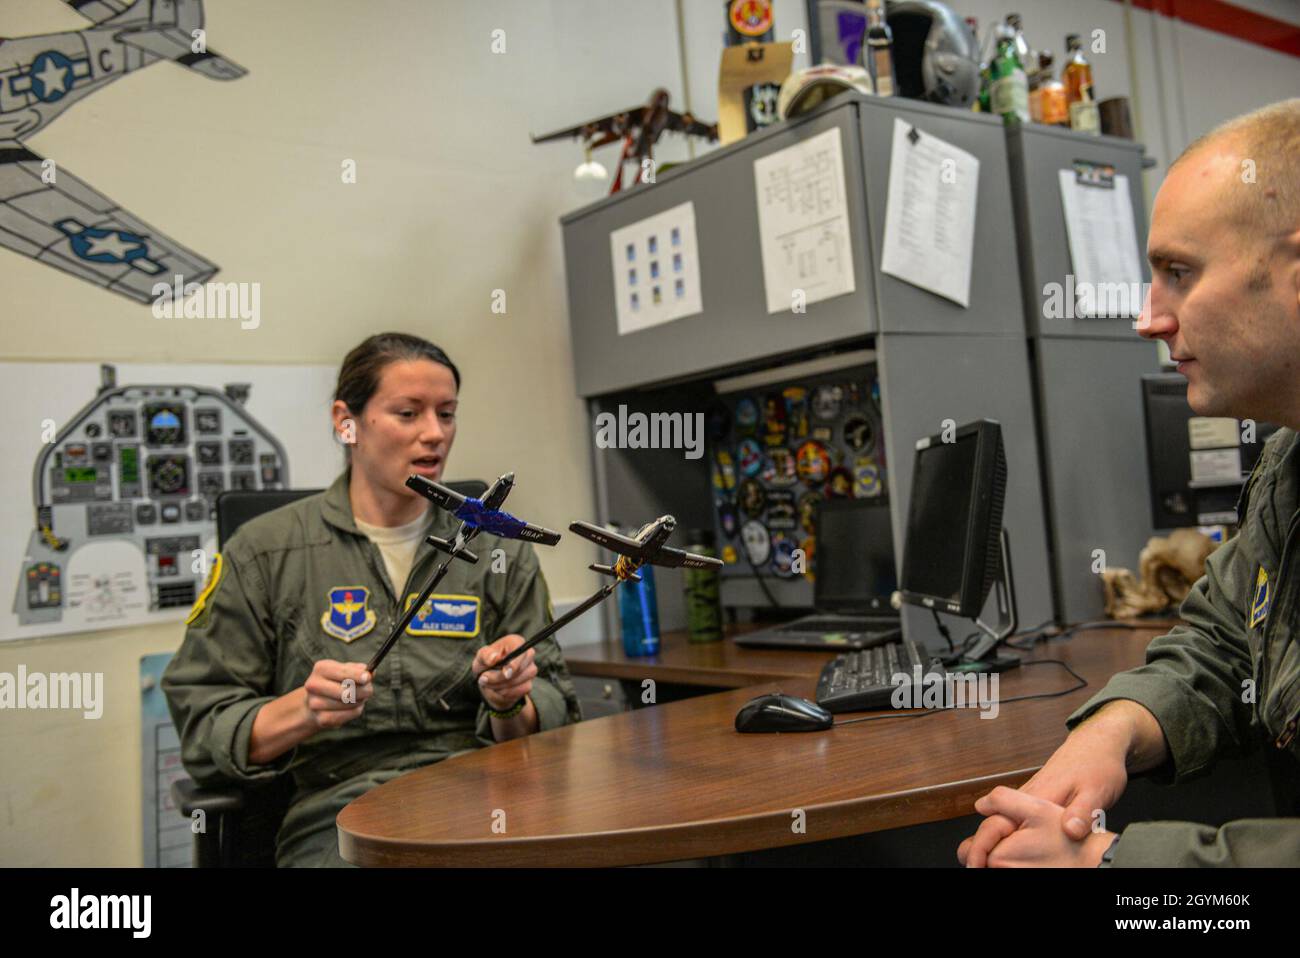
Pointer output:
x,y
930,215
803,223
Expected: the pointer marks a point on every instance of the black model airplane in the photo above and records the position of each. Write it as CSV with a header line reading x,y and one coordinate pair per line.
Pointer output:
x,y
638,127
475,515
646,547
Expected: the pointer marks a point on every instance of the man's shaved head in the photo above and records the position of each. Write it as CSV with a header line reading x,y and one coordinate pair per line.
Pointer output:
x,y
1224,248
1264,148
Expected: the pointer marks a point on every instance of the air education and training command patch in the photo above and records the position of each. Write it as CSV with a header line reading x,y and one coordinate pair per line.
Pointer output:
x,y
452,616
1263,597
347,618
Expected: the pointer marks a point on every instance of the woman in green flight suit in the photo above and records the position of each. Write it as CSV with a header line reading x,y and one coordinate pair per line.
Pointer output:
x,y
271,679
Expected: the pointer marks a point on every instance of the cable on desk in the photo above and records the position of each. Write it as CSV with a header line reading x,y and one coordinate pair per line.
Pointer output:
x,y
1042,633
1081,684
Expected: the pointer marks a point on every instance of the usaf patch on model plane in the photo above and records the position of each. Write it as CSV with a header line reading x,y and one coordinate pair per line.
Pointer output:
x,y
46,212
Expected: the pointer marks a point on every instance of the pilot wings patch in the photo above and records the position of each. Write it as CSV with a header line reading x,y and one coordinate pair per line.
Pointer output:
x,y
455,616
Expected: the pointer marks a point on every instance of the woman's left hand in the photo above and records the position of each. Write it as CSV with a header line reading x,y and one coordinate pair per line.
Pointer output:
x,y
502,688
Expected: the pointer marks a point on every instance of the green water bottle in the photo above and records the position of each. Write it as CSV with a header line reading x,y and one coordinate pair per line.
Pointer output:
x,y
703,603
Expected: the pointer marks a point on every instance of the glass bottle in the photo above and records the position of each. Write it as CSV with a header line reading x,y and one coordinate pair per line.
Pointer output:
x,y
879,50
1077,77
1052,103
1009,89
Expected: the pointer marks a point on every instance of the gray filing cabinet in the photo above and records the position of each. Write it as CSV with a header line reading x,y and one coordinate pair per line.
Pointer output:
x,y
1087,376
936,359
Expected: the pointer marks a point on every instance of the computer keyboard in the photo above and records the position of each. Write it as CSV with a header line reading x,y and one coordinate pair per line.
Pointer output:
x,y
865,680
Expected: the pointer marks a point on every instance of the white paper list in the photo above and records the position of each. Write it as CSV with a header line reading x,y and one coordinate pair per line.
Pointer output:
x,y
930,216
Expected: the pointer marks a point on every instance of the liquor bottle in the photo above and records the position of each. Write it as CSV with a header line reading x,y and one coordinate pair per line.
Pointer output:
x,y
1052,105
879,50
1009,90
981,102
1077,77
1028,58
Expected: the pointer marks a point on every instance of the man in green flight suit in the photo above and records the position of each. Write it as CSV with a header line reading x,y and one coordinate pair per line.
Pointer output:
x,y
1224,248
270,678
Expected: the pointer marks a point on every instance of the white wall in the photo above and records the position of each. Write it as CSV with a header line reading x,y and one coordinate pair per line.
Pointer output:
x,y
451,203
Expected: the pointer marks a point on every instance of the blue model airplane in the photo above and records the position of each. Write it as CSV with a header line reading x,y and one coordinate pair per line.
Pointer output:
x,y
48,214
479,515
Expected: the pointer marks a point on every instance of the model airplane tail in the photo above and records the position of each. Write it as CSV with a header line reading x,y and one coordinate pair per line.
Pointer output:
x,y
611,571
442,545
170,33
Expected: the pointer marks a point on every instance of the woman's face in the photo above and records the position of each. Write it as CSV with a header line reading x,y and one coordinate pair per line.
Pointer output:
x,y
406,427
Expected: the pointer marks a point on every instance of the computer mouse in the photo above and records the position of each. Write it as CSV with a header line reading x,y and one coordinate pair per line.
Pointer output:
x,y
782,713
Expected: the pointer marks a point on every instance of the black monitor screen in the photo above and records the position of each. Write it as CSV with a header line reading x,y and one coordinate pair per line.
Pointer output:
x,y
938,521
855,556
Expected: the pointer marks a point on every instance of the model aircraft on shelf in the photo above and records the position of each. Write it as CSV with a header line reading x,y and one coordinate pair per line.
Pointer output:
x,y
638,127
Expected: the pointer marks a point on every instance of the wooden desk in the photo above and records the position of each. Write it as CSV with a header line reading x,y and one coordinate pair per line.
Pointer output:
x,y
724,664
676,781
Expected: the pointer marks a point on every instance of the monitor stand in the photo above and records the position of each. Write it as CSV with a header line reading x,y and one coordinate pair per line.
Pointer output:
x,y
982,656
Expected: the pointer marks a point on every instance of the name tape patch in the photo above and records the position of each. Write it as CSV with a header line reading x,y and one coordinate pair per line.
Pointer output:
x,y
455,616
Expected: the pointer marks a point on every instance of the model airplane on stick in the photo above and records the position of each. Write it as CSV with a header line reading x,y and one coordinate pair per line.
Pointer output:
x,y
475,515
645,548
639,128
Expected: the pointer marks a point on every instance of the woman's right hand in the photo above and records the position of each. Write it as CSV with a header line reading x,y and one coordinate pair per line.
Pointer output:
x,y
337,692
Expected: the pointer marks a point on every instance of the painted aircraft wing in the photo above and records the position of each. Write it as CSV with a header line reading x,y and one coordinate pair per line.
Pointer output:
x,y
174,44
538,534
66,224
437,493
667,556
685,123
610,540
97,11
602,124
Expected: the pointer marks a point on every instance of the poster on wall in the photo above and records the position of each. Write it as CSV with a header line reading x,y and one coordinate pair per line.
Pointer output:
x,y
109,502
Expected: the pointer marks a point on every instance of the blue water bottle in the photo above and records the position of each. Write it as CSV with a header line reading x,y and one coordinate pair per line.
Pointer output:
x,y
639,613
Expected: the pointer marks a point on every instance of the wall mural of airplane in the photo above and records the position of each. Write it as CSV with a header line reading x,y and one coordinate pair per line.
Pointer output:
x,y
46,212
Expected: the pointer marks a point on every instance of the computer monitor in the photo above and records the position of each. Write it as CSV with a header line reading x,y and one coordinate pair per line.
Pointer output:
x,y
854,561
953,549
1196,464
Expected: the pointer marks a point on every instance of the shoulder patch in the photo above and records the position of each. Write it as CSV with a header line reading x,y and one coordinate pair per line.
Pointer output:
x,y
346,616
454,616
214,576
1263,597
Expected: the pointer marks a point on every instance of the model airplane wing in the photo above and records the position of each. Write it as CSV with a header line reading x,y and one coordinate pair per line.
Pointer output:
x,y
53,217
667,556
603,124
685,123
610,540
436,493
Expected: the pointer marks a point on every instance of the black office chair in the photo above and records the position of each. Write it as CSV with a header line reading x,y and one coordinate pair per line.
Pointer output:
x,y
241,821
